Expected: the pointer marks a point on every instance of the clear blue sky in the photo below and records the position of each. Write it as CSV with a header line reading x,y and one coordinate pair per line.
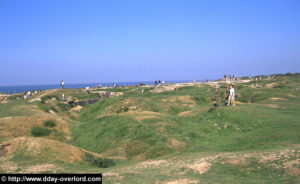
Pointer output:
x,y
44,41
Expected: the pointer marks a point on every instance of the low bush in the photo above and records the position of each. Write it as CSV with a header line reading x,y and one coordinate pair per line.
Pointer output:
x,y
38,131
123,109
99,162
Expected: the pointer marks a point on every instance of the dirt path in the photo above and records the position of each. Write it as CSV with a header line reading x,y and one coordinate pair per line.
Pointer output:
x,y
38,98
201,164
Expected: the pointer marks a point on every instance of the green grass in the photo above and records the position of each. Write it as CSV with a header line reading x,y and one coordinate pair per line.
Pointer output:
x,y
15,108
209,130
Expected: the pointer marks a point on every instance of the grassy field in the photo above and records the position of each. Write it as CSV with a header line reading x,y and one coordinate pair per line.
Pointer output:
x,y
169,137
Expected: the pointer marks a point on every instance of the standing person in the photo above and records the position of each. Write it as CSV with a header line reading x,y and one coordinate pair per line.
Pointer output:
x,y
63,97
231,100
62,83
25,96
87,88
155,82
216,97
142,90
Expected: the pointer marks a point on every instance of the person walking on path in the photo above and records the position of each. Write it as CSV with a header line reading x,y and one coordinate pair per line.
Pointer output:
x,y
62,84
231,100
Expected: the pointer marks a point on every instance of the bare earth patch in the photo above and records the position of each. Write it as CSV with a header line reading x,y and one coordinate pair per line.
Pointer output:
x,y
175,144
112,175
142,115
271,85
186,113
289,161
273,106
8,166
40,168
180,99
77,108
182,181
237,161
274,98
238,102
291,95
200,167
152,163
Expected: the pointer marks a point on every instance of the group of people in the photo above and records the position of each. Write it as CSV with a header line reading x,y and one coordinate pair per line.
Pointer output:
x,y
27,95
159,82
230,78
229,96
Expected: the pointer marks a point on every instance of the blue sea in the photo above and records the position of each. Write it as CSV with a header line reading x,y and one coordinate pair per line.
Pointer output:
x,y
25,88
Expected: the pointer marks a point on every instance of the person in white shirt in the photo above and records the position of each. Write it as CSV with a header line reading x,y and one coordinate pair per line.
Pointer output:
x,y
87,89
231,100
62,84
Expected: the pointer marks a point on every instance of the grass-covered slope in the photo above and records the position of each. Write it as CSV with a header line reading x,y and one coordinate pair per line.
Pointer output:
x,y
172,136
185,121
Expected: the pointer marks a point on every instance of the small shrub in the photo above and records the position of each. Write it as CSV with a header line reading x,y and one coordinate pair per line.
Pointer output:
x,y
50,123
54,109
38,131
126,109
99,162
